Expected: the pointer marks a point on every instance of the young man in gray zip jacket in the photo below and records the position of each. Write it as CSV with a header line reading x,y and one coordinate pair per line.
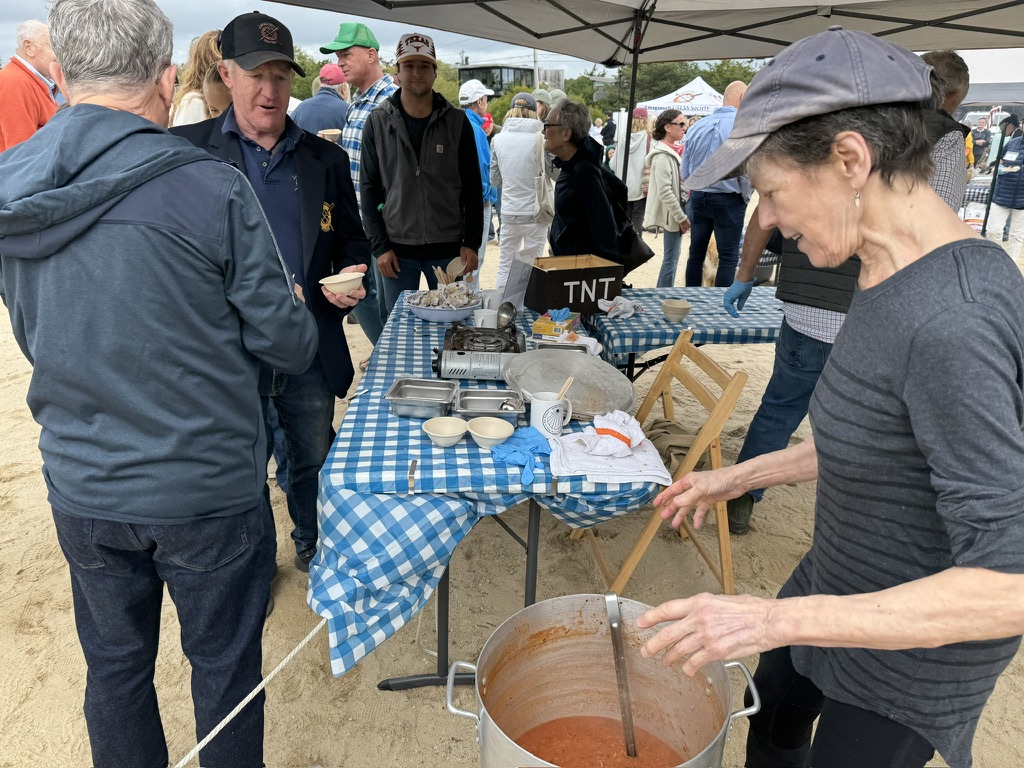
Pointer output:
x,y
145,287
420,178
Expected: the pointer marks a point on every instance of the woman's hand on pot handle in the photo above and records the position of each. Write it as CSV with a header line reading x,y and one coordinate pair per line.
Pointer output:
x,y
698,491
707,628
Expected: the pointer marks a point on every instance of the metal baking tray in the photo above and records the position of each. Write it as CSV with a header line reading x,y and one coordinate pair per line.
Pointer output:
x,y
562,346
470,403
421,398
598,387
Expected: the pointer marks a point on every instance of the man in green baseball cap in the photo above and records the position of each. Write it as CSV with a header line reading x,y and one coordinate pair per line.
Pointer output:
x,y
358,55
350,34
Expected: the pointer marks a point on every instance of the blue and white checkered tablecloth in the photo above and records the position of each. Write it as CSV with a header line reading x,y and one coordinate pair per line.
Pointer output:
x,y
977,193
759,322
383,548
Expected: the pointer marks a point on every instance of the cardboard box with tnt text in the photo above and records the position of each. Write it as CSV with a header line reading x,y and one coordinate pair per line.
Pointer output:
x,y
576,282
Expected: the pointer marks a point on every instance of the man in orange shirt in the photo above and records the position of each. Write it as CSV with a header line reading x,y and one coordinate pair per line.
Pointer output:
x,y
26,90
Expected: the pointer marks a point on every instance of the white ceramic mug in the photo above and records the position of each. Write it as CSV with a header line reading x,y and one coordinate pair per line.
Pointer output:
x,y
485,318
548,414
492,298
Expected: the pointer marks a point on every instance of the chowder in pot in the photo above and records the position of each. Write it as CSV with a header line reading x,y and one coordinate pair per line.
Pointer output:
x,y
553,661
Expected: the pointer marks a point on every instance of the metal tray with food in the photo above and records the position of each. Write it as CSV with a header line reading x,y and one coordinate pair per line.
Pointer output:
x,y
421,398
504,404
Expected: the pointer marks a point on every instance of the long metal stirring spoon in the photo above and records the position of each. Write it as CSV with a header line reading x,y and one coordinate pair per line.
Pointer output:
x,y
615,627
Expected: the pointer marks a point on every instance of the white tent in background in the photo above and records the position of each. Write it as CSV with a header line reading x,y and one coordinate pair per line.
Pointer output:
x,y
694,98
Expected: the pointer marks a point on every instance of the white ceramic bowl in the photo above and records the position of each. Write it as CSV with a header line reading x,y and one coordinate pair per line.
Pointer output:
x,y
439,315
342,283
675,309
489,431
444,431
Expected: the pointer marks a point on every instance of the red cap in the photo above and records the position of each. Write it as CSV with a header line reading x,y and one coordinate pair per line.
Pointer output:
x,y
331,74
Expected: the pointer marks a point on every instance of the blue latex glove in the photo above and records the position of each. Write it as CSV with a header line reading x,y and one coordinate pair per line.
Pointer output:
x,y
558,315
736,296
523,449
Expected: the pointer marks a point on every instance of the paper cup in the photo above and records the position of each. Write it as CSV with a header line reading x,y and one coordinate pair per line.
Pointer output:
x,y
331,134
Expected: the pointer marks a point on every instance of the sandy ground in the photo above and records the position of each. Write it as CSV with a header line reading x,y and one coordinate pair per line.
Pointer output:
x,y
316,719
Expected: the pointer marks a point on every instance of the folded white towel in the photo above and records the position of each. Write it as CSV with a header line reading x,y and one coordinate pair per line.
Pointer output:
x,y
569,456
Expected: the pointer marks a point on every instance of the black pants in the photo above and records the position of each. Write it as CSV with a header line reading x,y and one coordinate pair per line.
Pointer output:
x,y
847,736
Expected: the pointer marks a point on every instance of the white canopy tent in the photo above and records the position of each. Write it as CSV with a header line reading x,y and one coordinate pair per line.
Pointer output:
x,y
617,32
694,98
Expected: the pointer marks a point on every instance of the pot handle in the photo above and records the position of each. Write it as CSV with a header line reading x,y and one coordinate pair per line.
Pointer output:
x,y
472,668
754,708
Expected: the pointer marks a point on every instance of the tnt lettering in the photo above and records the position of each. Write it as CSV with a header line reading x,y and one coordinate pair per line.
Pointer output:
x,y
589,290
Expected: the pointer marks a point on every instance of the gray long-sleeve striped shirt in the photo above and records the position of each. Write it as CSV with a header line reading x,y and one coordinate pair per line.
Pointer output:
x,y
918,421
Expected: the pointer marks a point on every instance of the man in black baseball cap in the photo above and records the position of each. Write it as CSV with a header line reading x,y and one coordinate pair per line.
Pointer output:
x,y
304,187
255,38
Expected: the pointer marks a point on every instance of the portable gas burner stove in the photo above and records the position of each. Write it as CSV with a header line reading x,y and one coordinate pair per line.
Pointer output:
x,y
478,353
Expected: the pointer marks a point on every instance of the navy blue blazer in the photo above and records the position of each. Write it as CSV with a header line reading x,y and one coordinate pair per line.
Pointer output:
x,y
332,232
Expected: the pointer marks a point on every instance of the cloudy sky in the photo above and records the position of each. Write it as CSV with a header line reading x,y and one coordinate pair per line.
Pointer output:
x,y
312,28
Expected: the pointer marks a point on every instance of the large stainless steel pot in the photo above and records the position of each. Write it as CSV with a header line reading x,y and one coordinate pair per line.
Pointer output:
x,y
554,659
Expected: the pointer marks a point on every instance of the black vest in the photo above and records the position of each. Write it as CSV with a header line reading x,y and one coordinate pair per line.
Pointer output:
x,y
800,282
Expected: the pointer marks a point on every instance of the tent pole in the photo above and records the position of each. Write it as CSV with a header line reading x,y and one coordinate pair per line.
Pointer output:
x,y
992,186
638,36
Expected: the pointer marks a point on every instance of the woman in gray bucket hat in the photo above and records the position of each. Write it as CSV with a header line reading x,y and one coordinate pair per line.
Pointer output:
x,y
895,626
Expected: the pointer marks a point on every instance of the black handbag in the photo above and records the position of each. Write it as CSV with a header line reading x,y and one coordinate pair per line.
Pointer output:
x,y
633,251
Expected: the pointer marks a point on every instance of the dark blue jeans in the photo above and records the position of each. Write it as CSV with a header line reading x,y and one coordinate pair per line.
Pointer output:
x,y
846,737
217,573
280,449
409,278
305,411
719,214
799,361
370,311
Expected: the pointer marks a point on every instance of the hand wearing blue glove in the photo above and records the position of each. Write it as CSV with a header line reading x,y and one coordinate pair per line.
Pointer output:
x,y
736,296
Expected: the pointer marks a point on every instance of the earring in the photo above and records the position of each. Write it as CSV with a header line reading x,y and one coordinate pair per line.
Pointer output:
x,y
856,199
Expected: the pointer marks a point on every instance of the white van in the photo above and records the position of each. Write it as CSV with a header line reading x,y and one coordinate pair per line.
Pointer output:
x,y
971,119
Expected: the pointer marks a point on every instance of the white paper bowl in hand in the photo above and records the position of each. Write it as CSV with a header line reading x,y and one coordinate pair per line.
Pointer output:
x,y
343,282
489,431
444,431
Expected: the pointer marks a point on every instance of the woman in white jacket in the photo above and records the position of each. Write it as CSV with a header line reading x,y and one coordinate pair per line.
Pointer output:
x,y
664,209
639,147
518,167
188,105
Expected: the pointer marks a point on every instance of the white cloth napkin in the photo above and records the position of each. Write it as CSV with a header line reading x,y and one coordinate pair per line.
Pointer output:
x,y
620,307
614,450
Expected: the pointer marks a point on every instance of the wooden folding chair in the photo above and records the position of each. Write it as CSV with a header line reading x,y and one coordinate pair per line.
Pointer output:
x,y
705,443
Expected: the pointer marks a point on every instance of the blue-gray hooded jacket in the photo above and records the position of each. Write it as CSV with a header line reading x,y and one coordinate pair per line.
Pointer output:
x,y
143,285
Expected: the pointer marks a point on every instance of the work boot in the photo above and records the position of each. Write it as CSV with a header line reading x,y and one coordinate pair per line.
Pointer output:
x,y
740,512
303,559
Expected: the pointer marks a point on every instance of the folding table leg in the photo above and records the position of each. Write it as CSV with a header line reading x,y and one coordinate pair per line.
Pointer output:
x,y
441,595
532,542
441,677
